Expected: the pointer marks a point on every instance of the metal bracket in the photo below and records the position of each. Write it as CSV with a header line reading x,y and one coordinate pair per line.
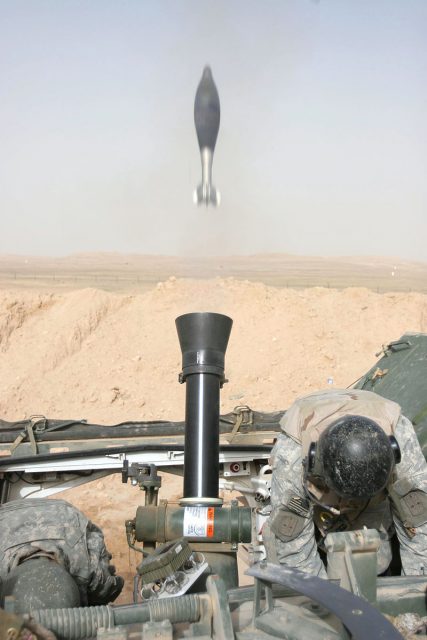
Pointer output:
x,y
352,559
359,617
143,475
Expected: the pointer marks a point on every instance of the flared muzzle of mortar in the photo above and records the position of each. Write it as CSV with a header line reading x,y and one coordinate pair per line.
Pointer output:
x,y
203,338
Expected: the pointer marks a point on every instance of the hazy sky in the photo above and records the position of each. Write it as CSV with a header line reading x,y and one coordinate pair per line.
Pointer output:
x,y
322,147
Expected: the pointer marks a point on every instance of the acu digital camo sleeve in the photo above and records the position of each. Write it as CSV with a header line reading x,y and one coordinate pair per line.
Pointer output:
x,y
412,470
286,486
56,529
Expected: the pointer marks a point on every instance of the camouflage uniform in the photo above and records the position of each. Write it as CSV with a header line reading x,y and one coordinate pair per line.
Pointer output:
x,y
401,508
57,530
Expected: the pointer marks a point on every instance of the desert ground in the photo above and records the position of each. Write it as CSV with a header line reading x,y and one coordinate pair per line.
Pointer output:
x,y
93,336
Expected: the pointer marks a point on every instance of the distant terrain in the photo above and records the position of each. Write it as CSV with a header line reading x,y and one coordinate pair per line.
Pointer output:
x,y
137,273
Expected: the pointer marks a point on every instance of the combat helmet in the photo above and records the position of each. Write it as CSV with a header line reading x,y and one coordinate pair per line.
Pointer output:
x,y
354,457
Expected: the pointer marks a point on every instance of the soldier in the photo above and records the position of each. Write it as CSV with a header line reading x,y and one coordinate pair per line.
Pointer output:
x,y
51,555
347,459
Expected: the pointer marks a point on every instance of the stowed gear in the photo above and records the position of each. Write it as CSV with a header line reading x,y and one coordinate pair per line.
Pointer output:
x,y
354,457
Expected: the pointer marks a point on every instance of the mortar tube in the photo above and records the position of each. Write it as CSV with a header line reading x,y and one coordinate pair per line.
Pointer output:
x,y
201,463
203,340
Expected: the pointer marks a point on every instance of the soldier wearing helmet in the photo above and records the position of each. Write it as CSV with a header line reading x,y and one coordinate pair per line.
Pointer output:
x,y
347,459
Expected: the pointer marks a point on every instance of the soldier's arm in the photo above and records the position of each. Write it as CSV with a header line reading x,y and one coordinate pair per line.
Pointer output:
x,y
291,522
409,498
104,585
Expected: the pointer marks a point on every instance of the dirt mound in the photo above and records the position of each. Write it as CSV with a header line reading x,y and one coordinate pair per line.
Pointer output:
x,y
109,357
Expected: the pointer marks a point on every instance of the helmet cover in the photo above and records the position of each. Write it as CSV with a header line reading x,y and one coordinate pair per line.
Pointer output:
x,y
356,457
